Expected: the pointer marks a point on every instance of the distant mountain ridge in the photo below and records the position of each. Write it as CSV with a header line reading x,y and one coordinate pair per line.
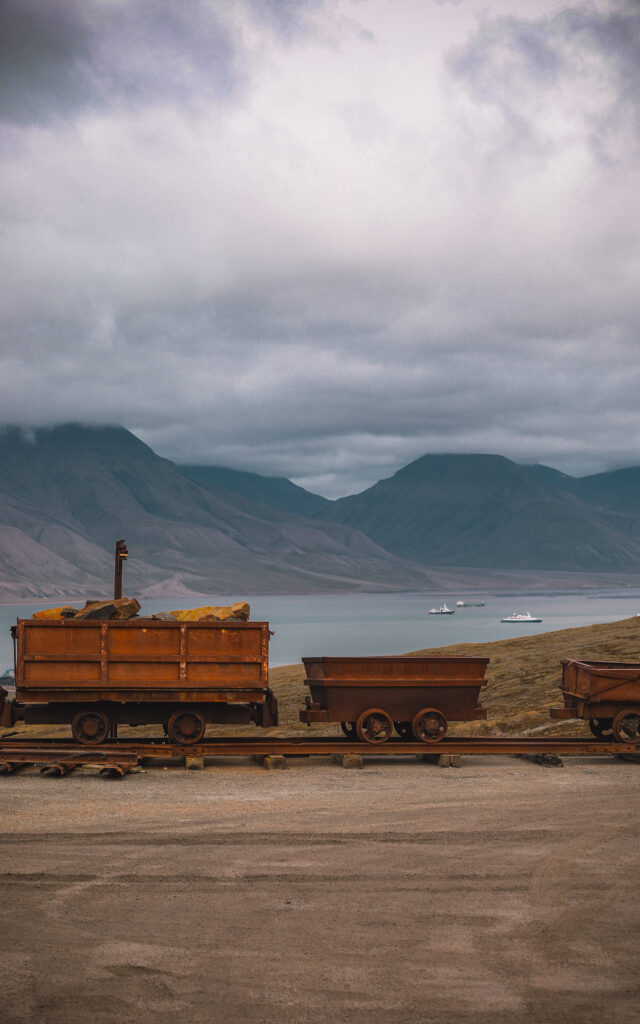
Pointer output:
x,y
617,489
268,490
67,492
485,511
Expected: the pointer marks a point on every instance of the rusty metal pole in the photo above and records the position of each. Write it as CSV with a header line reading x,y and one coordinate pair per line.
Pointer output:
x,y
121,554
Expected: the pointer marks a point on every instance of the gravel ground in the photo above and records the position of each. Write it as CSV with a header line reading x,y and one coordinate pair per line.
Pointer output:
x,y
500,891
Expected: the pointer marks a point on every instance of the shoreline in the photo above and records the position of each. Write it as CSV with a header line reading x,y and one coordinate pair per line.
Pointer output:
x,y
545,586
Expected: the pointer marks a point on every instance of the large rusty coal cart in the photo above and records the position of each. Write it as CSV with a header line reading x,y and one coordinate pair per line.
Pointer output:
x,y
96,675
417,695
606,694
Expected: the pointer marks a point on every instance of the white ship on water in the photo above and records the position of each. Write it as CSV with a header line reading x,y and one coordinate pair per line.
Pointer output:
x,y
469,604
520,617
443,610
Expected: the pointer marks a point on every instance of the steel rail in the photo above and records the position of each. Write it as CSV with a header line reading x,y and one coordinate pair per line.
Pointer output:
x,y
39,750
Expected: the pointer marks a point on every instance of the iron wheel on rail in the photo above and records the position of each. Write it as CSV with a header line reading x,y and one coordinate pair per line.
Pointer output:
x,y
186,727
90,727
374,726
429,725
626,726
602,728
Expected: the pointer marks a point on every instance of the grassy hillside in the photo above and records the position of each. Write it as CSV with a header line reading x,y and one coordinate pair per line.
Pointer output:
x,y
523,675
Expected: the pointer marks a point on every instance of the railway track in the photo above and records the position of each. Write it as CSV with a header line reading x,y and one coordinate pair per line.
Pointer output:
x,y
120,756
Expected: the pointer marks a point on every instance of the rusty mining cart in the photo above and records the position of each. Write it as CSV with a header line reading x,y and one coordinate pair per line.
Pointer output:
x,y
96,675
417,695
606,693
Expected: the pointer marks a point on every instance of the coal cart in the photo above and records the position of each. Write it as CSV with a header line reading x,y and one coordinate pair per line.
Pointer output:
x,y
370,696
604,693
95,675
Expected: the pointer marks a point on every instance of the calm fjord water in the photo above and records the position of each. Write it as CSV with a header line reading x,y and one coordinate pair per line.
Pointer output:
x,y
359,624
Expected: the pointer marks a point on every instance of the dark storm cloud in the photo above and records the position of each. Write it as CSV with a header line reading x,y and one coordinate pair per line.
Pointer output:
x,y
319,239
348,397
515,63
40,47
62,57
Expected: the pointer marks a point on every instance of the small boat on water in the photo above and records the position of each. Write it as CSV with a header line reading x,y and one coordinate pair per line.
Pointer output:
x,y
520,617
469,604
443,610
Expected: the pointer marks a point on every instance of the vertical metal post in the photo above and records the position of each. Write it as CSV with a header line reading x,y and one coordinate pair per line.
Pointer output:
x,y
14,635
121,554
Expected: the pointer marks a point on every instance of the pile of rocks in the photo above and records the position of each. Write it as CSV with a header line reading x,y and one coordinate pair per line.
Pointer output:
x,y
238,612
128,608
118,608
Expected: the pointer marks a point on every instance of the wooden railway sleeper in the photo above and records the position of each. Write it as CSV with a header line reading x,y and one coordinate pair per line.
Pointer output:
x,y
117,769
10,767
58,768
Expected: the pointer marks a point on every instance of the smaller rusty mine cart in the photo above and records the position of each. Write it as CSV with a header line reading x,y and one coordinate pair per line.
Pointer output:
x,y
369,696
96,675
607,693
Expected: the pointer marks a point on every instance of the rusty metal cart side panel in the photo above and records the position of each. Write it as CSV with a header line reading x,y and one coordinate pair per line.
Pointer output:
x,y
141,660
598,689
394,668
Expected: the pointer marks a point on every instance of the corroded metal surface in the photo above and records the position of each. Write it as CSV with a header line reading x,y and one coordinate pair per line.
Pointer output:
x,y
419,694
140,660
121,553
606,693
99,674
60,757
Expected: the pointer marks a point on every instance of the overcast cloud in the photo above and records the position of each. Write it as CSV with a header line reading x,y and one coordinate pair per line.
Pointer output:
x,y
318,239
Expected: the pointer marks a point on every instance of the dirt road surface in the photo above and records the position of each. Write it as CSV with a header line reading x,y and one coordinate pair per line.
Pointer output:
x,y
501,891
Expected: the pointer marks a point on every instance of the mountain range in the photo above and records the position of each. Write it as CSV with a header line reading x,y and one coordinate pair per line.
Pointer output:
x,y
68,492
484,511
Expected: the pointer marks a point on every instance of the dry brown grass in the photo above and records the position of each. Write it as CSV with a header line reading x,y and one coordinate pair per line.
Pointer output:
x,y
523,678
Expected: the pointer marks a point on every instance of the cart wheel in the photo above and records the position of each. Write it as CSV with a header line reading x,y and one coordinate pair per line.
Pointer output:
x,y
601,728
403,729
626,726
349,729
185,727
90,727
374,726
429,725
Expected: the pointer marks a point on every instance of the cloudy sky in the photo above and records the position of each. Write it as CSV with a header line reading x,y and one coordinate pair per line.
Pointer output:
x,y
318,238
